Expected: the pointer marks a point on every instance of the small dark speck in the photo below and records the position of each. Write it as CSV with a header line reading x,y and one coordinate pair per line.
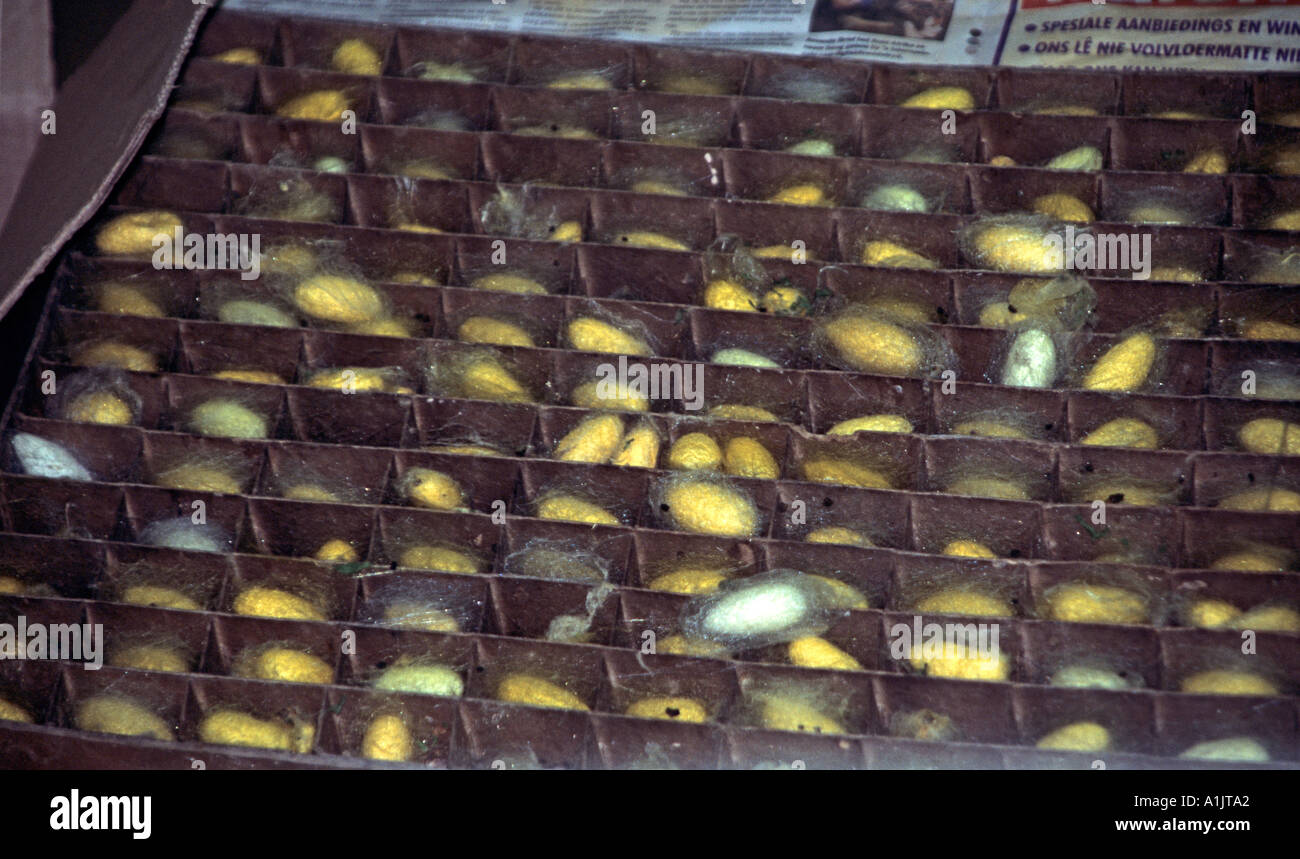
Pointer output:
x,y
663,508
1116,498
826,502
1087,466
673,711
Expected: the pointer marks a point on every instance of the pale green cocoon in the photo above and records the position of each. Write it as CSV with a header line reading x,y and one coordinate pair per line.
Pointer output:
x,y
1088,677
1031,360
228,419
823,148
1228,749
244,312
1082,158
896,198
43,458
421,680
744,358
757,611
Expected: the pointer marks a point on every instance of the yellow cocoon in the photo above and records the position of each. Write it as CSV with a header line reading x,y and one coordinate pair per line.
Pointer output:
x,y
724,294
646,239
838,535
893,255
708,507
133,234
595,439
197,477
963,601
871,423
228,419
112,714
425,487
780,713
233,728
689,580
746,457
536,692
800,195
442,558
941,98
1124,366
1227,682
1084,603
1077,737
150,657
260,601
483,377
639,447
873,345
337,552
968,549
813,652
334,298
126,299
741,412
1123,432
288,666
570,508
100,407
1271,498
1063,207
596,335
989,487
845,473
388,739
323,105
495,332
356,58
507,282
673,708
159,597
695,451
11,712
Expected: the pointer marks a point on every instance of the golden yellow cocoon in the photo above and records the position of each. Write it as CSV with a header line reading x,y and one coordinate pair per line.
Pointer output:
x,y
483,377
1269,618
673,708
1077,737
1210,613
784,252
1207,161
234,728
150,657
288,666
941,98
845,473
466,449
1016,247
1124,366
647,239
724,294
11,712
893,255
1119,491
1085,603
652,186
1270,329
334,298
964,601
536,692
695,451
1270,435
1002,161
497,332
596,335
112,714
228,419
310,492
639,448
742,412
707,507
426,487
902,309
1063,207
1174,272
1123,432
689,580
356,58
595,439
337,552
444,558
1258,560
126,299
257,377
873,345
813,652
10,585
262,601
134,233
99,407
406,614
784,300
587,396
680,645
350,379
988,429
507,282
800,195
871,423
197,477
968,549
570,508
238,56
580,80
387,739
961,662
1271,498
568,231
989,487
1227,682
159,597
746,457
324,105
781,713
839,535
842,595
567,132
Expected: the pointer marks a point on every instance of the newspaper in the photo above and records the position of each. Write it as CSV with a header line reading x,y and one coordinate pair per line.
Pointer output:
x,y
1239,35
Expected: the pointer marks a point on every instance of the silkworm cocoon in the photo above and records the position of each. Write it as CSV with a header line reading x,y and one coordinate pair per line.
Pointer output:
x,y
989,487
580,80
590,395
924,725
10,585
571,508
1119,491
1211,613
1270,329
782,713
742,412
941,98
673,708
159,597
353,379
680,645
960,662
705,506
110,353
199,477
962,600
746,457
238,56
653,186
1207,161
695,451
421,679
639,447
414,615
1063,207
134,233
1272,498
1261,559
1067,110
837,534
1227,682
536,692
1153,212
483,377
114,714
595,439
334,298
337,552
1079,158
257,377
893,255
872,423
1124,366
690,579
896,198
311,492
871,344
234,728
1237,749
436,490
1175,273
465,449
1077,737
647,239
181,533
452,72
228,419
1014,243
845,473
1087,603
901,309
841,595
387,738
247,312
508,282
150,657
565,132
989,428
1002,161
11,712
784,252
286,665
323,105
743,358
1123,432
1081,676
818,148
813,652
444,558
772,608
724,294
126,299
800,195
496,332
356,58
1268,618
41,457
595,335
968,549
262,601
